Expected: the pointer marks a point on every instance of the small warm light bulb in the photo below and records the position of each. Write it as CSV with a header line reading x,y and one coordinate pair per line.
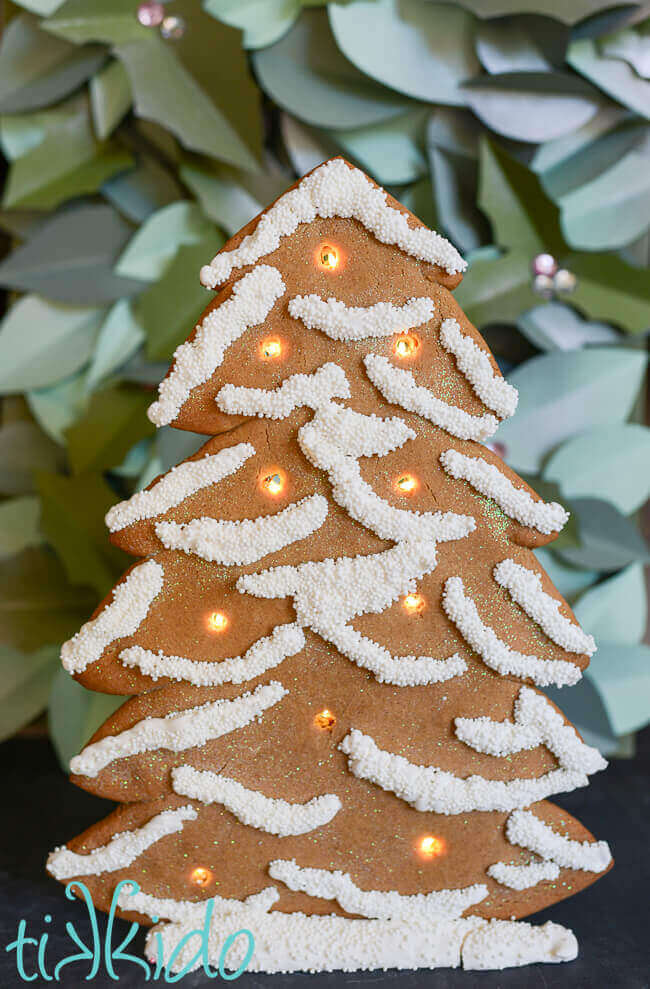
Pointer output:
x,y
406,346
406,484
329,257
201,876
325,719
414,603
217,621
273,482
430,846
270,350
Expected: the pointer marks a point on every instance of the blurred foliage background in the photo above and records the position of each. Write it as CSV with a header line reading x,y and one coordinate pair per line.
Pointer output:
x,y
518,128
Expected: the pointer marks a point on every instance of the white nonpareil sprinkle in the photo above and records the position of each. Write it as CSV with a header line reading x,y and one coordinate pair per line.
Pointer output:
x,y
181,482
328,885
192,912
195,361
334,439
123,849
327,595
428,788
311,390
341,322
536,722
253,808
178,730
246,540
493,651
525,829
517,504
398,386
523,876
475,364
525,587
263,655
333,189
123,616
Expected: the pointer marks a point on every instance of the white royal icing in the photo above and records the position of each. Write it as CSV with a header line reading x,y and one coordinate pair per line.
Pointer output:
x,y
333,189
123,616
428,788
341,322
265,654
523,876
178,730
517,504
475,364
536,722
500,944
123,849
448,903
333,441
192,912
311,390
329,594
195,361
181,482
251,807
525,587
493,651
525,829
398,386
246,540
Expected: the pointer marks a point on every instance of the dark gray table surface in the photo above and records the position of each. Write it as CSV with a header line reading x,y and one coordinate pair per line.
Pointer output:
x,y
611,919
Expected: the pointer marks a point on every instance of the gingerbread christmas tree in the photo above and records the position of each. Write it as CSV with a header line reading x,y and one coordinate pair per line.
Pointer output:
x,y
337,634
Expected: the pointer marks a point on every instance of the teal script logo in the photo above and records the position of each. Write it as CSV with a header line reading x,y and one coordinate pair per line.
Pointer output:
x,y
31,952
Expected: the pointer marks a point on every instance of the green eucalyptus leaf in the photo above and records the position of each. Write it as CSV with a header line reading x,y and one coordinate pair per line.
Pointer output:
x,y
24,448
610,462
631,45
115,420
555,326
608,539
72,519
610,289
111,21
135,460
68,162
497,287
57,407
21,132
71,257
37,605
424,50
611,75
37,69
167,308
569,392
25,684
307,75
263,22
419,200
612,209
569,580
569,13
454,179
616,610
19,524
584,708
199,88
42,342
223,199
110,98
41,7
532,106
306,147
155,243
142,190
75,714
119,337
389,150
521,44
621,675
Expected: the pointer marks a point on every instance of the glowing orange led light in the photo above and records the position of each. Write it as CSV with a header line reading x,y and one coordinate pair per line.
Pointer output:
x,y
328,257
273,483
201,876
430,846
406,484
406,346
270,350
217,621
414,603
325,719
